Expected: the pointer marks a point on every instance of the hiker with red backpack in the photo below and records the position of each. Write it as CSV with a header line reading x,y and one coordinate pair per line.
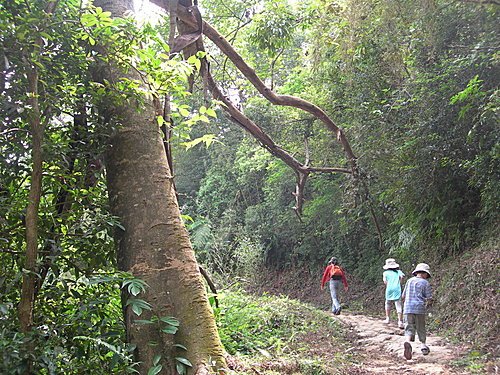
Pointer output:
x,y
335,276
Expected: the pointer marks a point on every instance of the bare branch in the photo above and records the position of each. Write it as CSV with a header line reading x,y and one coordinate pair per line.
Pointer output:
x,y
173,22
283,100
191,24
186,15
210,284
328,170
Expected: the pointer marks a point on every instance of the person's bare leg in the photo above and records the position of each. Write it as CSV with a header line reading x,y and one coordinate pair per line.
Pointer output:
x,y
409,335
400,320
387,312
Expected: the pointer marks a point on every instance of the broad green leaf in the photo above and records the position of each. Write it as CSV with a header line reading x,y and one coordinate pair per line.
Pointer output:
x,y
186,218
184,112
160,120
155,370
181,369
211,113
184,361
156,359
170,320
170,330
138,305
137,310
208,139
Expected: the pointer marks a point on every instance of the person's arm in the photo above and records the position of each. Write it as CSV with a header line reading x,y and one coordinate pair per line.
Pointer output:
x,y
384,279
344,281
428,291
326,276
404,292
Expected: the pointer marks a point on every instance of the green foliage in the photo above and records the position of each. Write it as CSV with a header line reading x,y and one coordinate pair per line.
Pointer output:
x,y
277,335
474,362
273,28
263,324
416,91
166,324
85,333
78,325
474,277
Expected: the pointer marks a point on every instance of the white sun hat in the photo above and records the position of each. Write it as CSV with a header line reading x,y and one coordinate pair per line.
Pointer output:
x,y
422,267
390,263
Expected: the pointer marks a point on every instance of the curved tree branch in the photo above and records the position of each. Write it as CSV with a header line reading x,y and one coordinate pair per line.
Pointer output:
x,y
190,17
284,100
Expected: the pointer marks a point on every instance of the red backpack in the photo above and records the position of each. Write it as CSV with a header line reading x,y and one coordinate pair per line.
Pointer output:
x,y
336,271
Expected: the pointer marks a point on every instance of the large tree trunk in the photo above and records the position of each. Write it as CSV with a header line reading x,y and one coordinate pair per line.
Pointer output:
x,y
155,245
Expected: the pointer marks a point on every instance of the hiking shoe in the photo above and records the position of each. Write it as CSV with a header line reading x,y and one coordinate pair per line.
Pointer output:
x,y
338,311
425,349
401,325
408,350
386,321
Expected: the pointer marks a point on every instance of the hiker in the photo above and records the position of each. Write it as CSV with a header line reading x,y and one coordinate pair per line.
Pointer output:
x,y
416,293
335,276
392,277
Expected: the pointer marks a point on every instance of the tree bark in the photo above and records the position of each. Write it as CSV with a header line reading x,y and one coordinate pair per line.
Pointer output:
x,y
26,302
155,245
27,299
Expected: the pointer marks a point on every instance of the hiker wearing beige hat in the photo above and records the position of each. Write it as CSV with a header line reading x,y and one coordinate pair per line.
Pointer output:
x,y
416,293
392,277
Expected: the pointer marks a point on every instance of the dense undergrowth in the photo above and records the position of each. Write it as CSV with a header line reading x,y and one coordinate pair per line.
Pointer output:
x,y
466,307
270,334
278,335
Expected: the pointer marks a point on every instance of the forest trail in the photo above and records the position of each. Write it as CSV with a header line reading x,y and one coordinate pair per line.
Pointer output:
x,y
381,348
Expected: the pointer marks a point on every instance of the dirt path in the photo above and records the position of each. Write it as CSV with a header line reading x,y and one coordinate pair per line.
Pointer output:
x,y
381,348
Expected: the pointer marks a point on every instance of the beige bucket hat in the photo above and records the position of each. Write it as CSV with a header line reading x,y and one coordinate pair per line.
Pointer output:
x,y
390,263
422,267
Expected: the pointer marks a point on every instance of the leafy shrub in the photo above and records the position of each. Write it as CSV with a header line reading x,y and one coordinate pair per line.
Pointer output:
x,y
249,324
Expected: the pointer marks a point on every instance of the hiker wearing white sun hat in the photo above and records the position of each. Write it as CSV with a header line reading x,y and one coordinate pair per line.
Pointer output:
x,y
422,267
392,277
416,293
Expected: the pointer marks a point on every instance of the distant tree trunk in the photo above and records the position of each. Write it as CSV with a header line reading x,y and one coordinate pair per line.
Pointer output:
x,y
26,302
155,245
27,299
